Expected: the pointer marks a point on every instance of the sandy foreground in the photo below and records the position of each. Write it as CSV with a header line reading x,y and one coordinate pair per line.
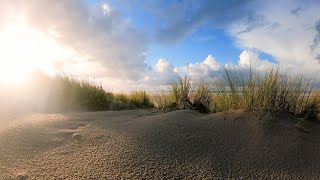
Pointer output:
x,y
149,144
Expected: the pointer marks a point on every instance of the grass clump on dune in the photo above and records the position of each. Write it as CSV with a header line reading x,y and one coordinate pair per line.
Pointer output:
x,y
133,100
250,90
176,97
185,94
164,101
180,91
202,97
79,94
75,94
140,99
253,90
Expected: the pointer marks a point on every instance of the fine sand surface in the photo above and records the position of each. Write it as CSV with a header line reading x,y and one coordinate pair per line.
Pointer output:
x,y
150,144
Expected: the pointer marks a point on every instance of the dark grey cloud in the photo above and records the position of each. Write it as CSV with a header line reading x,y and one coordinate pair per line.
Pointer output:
x,y
176,20
255,20
318,57
302,6
296,11
316,39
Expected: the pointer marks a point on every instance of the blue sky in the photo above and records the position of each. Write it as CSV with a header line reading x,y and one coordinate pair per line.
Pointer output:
x,y
129,44
191,49
197,46
207,38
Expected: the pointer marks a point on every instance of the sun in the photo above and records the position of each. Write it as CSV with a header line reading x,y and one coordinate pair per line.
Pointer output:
x,y
24,49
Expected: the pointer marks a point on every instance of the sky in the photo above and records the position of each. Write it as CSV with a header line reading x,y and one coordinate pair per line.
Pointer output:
x,y
134,44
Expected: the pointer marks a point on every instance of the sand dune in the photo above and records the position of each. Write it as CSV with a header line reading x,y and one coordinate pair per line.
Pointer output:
x,y
149,144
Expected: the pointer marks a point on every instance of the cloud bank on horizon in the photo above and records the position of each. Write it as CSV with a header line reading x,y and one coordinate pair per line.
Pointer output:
x,y
109,46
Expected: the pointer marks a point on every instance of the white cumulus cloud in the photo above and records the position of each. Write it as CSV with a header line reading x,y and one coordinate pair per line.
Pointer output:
x,y
249,58
163,66
287,30
205,69
162,73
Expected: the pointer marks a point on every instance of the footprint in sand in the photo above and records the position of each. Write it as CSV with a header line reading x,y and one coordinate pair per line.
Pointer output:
x,y
77,136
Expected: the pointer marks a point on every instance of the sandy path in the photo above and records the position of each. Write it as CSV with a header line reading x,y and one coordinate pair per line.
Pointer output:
x,y
147,144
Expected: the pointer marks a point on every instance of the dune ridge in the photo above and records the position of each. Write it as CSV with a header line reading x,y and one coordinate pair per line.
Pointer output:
x,y
152,144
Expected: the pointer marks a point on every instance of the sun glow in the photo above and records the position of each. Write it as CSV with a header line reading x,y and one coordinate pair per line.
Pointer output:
x,y
24,49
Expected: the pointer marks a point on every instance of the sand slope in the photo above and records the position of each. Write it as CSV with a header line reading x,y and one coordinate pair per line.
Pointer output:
x,y
150,144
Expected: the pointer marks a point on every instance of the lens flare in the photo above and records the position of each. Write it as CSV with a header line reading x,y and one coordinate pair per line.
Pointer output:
x,y
24,49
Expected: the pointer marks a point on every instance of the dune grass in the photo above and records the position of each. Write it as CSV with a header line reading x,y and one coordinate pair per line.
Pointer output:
x,y
180,91
247,89
75,94
133,100
202,97
140,99
250,90
163,100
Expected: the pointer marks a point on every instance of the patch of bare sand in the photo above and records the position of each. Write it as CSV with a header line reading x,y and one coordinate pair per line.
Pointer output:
x,y
148,144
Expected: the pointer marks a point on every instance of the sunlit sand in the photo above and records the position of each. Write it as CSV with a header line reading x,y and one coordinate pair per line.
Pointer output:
x,y
208,89
152,144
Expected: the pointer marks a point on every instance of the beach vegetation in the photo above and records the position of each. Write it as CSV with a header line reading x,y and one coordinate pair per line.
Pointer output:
x,y
248,89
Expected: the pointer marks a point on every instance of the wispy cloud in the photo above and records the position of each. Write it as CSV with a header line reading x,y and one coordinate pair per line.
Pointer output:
x,y
98,33
290,41
316,39
110,48
175,20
